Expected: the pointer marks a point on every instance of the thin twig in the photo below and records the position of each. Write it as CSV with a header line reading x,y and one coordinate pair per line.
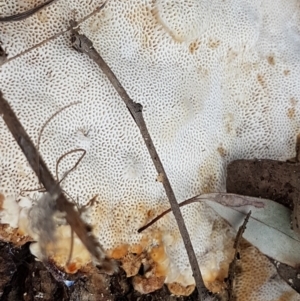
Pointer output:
x,y
50,118
76,164
40,169
48,121
26,14
5,60
42,189
232,266
71,247
186,202
82,44
221,198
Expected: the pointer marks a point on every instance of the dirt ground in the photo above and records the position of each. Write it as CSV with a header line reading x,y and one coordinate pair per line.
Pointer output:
x,y
24,278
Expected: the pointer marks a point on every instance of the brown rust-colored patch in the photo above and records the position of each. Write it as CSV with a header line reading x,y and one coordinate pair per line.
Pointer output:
x,y
213,43
215,286
214,280
13,235
148,19
286,72
146,285
177,37
209,184
71,268
158,255
271,60
221,150
291,113
179,290
194,46
150,213
208,176
286,296
261,80
131,264
254,268
119,252
136,248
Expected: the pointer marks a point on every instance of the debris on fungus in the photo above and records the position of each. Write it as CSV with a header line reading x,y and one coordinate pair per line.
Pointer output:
x,y
226,91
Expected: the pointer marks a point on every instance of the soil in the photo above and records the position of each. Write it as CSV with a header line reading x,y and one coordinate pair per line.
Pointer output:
x,y
22,277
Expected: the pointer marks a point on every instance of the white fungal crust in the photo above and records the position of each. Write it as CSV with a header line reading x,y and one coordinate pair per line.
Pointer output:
x,y
217,81
266,284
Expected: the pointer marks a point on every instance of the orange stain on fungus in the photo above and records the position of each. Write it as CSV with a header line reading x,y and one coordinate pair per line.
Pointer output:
x,y
119,252
72,268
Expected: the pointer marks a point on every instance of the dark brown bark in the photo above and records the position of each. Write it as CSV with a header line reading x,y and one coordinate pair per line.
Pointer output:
x,y
274,180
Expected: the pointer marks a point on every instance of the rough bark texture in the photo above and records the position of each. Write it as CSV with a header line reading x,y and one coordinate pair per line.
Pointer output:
x,y
274,180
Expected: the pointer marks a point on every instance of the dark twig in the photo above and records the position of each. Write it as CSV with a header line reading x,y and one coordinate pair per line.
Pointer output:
x,y
186,202
42,189
46,123
221,198
26,14
40,169
82,44
76,164
232,266
49,119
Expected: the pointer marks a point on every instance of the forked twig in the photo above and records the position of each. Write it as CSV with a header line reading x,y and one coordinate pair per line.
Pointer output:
x,y
82,44
76,164
54,190
225,199
232,266
42,189
48,121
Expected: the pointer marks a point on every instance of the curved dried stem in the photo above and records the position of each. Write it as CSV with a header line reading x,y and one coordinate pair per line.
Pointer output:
x,y
62,204
71,247
47,122
42,189
225,199
50,118
26,14
74,167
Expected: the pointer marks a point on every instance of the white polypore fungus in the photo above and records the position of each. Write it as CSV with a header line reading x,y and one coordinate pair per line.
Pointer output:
x,y
9,211
217,81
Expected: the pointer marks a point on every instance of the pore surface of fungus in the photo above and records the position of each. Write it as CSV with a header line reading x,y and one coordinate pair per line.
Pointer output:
x,y
217,81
